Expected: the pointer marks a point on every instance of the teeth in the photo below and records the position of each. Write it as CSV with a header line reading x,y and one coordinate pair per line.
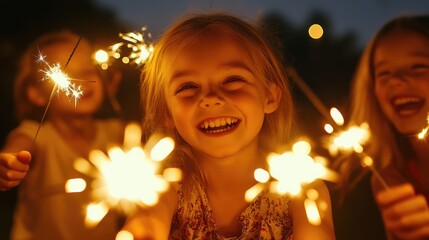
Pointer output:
x,y
401,101
219,122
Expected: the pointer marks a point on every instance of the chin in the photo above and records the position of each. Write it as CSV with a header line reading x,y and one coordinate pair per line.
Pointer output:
x,y
409,131
220,153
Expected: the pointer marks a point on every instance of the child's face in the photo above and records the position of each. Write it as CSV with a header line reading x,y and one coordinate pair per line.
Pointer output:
x,y
401,69
215,100
81,68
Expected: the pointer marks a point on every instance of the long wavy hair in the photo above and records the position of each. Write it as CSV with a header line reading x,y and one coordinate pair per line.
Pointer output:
x,y
386,145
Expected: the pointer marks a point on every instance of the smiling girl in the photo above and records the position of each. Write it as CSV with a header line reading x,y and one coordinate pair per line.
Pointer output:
x,y
391,93
216,86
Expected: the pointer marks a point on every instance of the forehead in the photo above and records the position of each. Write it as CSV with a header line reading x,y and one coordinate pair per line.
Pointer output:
x,y
401,42
208,50
60,52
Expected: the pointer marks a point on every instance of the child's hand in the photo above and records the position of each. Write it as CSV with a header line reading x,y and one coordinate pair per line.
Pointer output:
x,y
405,214
13,168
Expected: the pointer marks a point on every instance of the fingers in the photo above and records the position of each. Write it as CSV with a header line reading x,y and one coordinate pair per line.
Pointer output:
x,y
413,233
404,213
395,194
24,157
13,169
414,204
17,162
6,185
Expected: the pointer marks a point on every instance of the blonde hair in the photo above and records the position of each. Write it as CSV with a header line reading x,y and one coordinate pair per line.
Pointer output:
x,y
29,72
267,67
386,146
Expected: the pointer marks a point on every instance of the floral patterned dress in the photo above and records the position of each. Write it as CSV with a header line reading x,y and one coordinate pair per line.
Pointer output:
x,y
266,217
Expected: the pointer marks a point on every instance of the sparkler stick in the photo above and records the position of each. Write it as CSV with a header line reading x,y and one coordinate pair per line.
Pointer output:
x,y
54,89
317,103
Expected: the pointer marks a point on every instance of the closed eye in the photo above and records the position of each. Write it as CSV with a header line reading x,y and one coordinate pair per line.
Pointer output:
x,y
234,83
419,67
186,87
382,74
234,79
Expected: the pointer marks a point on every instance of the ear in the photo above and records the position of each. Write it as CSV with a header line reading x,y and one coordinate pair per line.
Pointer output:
x,y
36,96
273,94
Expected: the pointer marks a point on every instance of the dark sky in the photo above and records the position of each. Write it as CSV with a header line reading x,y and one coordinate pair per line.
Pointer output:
x,y
361,16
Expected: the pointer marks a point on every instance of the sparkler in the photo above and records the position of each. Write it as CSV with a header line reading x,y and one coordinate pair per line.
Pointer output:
x,y
334,116
127,178
289,172
61,83
352,140
135,48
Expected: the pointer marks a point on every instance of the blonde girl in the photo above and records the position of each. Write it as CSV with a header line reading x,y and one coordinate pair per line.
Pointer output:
x,y
215,85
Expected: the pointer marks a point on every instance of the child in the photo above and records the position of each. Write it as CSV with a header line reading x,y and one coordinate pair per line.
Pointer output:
x,y
391,93
214,84
44,210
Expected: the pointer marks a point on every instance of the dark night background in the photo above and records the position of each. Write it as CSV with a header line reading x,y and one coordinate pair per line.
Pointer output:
x,y
326,65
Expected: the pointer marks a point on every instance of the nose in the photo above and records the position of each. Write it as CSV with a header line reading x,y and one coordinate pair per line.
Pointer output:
x,y
211,100
398,79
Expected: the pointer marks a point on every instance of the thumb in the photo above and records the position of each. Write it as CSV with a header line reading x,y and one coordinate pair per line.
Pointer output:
x,y
24,157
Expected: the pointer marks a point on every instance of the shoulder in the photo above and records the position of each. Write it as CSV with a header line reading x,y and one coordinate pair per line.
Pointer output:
x,y
26,127
21,137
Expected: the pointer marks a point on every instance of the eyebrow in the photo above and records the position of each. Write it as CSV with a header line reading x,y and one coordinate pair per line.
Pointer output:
x,y
231,64
419,54
236,64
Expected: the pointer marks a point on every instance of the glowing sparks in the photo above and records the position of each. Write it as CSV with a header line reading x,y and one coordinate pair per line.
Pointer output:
x,y
423,133
350,140
289,172
337,116
62,82
75,185
134,48
295,168
312,211
127,178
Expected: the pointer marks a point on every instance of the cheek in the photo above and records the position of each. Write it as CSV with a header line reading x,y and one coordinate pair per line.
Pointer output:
x,y
380,94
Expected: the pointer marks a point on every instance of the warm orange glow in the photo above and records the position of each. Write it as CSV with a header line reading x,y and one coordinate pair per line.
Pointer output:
x,y
328,128
127,178
312,212
315,31
101,56
261,175
337,116
124,235
75,185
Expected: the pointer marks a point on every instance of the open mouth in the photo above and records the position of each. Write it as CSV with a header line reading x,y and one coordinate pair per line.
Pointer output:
x,y
406,106
219,125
